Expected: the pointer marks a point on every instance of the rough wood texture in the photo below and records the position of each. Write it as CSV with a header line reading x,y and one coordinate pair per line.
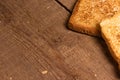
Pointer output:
x,y
36,45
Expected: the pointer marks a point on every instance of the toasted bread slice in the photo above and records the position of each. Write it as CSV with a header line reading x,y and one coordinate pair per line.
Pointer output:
x,y
87,15
110,29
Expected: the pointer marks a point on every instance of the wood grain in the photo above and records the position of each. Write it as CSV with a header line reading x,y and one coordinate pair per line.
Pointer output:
x,y
36,45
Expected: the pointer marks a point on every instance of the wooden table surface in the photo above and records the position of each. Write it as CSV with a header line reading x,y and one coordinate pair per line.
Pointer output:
x,y
35,44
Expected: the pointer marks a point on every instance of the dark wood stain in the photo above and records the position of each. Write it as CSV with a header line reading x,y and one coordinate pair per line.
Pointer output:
x,y
5,14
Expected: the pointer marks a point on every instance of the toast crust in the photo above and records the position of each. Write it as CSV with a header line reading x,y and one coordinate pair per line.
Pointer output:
x,y
111,49
87,14
110,31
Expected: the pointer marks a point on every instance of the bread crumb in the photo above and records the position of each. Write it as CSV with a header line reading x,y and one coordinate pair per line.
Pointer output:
x,y
11,78
48,7
95,75
44,72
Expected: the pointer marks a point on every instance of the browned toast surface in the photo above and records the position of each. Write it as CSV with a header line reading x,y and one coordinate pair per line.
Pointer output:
x,y
110,29
87,15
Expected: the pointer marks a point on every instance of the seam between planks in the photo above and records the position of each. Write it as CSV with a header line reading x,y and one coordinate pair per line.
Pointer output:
x,y
63,6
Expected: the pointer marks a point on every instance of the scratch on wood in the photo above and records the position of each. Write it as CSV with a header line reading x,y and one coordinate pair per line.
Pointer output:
x,y
63,6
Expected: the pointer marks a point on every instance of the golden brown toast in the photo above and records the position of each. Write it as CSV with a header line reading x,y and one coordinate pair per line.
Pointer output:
x,y
87,15
110,29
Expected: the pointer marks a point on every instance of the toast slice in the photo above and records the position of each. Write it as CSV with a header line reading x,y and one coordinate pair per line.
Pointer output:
x,y
87,15
110,30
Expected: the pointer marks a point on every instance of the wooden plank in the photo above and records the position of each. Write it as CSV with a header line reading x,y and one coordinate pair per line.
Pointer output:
x,y
24,54
36,45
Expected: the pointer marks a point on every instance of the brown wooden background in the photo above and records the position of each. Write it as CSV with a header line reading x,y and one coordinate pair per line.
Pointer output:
x,y
35,44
